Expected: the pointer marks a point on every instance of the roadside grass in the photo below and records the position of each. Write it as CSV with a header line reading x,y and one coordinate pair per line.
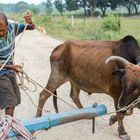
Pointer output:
x,y
88,28
131,26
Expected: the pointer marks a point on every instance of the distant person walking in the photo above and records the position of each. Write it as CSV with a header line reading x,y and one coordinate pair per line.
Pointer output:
x,y
9,89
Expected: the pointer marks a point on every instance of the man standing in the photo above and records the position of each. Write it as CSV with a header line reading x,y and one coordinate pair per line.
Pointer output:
x,y
9,90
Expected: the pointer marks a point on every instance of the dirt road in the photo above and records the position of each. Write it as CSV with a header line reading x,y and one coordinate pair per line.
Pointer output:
x,y
34,50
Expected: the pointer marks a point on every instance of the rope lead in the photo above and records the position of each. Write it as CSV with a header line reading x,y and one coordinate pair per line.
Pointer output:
x,y
8,123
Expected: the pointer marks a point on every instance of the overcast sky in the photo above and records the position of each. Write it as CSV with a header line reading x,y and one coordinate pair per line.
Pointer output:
x,y
28,1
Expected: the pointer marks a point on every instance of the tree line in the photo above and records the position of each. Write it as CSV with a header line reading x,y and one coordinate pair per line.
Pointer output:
x,y
89,6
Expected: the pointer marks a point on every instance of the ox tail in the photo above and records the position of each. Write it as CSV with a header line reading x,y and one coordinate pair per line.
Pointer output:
x,y
55,102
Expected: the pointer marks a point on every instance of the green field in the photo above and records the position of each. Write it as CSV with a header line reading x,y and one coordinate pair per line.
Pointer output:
x,y
88,28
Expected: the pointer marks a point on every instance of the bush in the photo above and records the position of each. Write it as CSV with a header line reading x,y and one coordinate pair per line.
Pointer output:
x,y
111,23
45,18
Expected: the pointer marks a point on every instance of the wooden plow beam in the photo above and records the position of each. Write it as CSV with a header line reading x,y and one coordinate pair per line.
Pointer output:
x,y
49,121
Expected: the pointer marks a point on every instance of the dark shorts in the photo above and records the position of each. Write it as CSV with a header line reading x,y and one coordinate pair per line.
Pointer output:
x,y
9,91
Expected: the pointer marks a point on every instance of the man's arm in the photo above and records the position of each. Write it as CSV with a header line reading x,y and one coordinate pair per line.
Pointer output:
x,y
30,26
16,68
28,20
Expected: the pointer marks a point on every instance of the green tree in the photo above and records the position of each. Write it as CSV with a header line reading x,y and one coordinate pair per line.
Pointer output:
x,y
21,6
48,6
113,4
136,4
92,4
34,9
1,8
83,3
103,5
59,6
128,4
72,5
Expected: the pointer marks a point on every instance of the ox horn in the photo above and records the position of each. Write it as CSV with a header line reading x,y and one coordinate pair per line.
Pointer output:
x,y
117,58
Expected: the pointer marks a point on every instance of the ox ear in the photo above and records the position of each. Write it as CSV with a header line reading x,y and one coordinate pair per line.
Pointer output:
x,y
119,72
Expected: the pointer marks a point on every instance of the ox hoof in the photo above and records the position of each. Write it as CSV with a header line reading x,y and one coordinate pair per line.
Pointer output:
x,y
124,137
37,115
112,120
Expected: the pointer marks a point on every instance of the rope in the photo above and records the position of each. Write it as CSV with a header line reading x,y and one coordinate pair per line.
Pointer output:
x,y
23,76
130,106
25,83
8,123
34,103
36,83
26,77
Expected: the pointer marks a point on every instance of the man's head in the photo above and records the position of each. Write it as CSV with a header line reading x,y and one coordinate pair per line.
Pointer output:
x,y
3,25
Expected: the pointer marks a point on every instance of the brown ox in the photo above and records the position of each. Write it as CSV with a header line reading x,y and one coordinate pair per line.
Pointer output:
x,y
83,64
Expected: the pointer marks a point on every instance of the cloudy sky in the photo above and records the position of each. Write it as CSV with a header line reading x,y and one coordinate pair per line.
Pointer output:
x,y
28,1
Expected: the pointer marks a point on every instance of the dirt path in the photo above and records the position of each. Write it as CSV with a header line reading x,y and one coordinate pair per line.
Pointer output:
x,y
34,51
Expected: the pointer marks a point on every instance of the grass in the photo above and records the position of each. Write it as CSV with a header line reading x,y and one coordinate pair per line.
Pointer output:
x,y
89,28
131,26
